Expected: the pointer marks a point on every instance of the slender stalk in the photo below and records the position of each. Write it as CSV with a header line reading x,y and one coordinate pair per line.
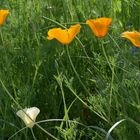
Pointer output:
x,y
113,40
36,72
8,93
33,134
77,75
76,122
46,131
84,103
55,22
112,77
59,81
104,52
111,90
16,133
1,35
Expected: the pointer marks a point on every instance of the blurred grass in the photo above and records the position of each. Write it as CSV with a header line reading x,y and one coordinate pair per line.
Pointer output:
x,y
31,66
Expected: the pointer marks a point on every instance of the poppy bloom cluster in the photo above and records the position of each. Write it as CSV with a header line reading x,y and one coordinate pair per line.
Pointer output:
x,y
98,26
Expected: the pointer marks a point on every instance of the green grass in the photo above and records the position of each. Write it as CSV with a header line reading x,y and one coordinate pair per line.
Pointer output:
x,y
82,92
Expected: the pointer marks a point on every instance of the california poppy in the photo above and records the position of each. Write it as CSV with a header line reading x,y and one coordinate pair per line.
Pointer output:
x,y
64,36
99,26
28,115
134,37
3,15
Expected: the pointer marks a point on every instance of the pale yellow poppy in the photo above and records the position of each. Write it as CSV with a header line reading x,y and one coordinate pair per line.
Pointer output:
x,y
28,115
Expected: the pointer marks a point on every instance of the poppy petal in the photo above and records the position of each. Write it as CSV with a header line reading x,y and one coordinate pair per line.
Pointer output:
x,y
73,31
93,27
3,15
99,26
59,34
134,37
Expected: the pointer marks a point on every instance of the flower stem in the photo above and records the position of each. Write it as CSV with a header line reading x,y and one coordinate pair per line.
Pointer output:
x,y
77,75
46,132
112,78
16,133
33,134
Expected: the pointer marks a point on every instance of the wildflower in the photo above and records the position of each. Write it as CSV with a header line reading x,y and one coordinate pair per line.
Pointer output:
x,y
64,36
99,26
3,15
28,115
134,37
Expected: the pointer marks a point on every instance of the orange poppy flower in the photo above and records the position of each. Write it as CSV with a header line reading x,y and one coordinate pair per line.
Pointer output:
x,y
134,37
3,15
64,36
99,26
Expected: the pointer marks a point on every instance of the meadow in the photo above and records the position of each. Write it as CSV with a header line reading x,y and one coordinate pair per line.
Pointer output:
x,y
87,89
